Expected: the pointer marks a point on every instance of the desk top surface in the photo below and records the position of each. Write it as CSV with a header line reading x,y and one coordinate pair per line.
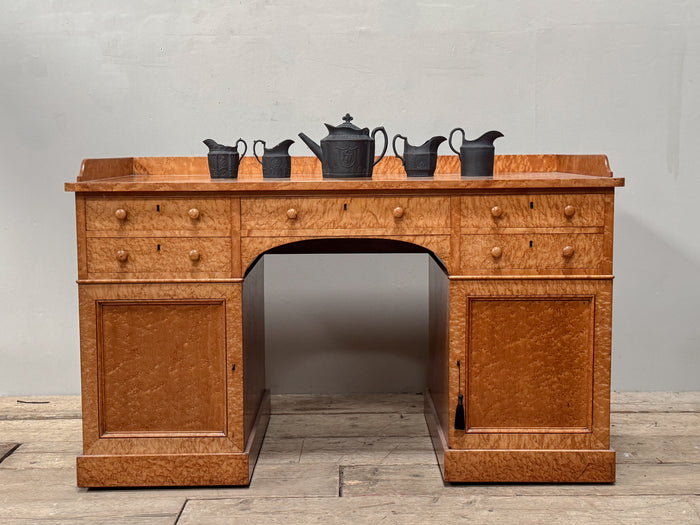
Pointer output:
x,y
190,174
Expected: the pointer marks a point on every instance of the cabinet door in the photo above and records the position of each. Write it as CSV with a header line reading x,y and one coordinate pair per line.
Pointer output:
x,y
537,363
164,357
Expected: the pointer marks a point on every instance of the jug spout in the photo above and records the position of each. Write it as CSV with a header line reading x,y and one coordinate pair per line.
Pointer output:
x,y
435,142
488,137
312,146
282,148
212,145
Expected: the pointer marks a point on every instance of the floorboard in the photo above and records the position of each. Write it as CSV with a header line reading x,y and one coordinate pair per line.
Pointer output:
x,y
364,458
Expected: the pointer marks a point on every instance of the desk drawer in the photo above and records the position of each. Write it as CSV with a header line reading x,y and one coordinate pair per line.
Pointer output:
x,y
158,214
166,257
390,215
532,252
527,211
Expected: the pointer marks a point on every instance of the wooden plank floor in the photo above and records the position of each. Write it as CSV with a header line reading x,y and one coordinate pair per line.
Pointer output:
x,y
356,459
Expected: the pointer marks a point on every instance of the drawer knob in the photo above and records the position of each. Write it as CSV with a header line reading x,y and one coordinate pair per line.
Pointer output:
x,y
120,214
569,211
398,212
122,255
193,213
496,252
496,211
291,213
194,255
568,251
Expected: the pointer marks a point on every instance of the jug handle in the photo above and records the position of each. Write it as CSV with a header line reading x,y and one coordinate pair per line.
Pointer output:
x,y
386,142
393,146
245,147
450,140
254,144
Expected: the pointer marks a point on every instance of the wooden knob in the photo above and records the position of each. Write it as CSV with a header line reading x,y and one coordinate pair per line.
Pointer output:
x,y
120,214
291,213
568,251
398,212
193,213
496,211
569,211
122,255
194,255
496,252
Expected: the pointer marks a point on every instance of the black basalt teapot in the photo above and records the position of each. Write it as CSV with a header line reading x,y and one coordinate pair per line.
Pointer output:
x,y
347,151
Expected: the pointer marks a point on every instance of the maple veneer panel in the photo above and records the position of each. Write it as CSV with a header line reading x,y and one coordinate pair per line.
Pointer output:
x,y
159,256
530,363
158,213
532,211
269,216
162,366
538,251
252,247
178,343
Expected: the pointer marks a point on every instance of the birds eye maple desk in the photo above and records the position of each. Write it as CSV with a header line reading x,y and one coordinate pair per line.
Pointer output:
x,y
170,289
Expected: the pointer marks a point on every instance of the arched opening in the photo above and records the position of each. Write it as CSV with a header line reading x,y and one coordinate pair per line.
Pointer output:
x,y
343,315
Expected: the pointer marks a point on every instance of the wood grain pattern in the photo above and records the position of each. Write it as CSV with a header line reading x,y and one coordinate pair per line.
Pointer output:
x,y
253,344
163,470
162,257
421,215
532,211
178,440
581,164
159,214
541,252
162,367
438,341
530,364
252,247
540,466
599,292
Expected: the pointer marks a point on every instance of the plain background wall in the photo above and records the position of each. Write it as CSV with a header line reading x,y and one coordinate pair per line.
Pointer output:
x,y
82,79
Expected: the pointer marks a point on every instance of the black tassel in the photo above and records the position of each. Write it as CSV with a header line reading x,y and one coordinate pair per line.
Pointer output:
x,y
459,414
460,423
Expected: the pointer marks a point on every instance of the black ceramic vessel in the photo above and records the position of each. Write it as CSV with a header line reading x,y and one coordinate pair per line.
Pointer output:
x,y
419,161
347,151
476,156
276,162
224,160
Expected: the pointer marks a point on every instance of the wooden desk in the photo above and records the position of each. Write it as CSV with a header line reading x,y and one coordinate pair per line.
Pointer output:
x,y
171,310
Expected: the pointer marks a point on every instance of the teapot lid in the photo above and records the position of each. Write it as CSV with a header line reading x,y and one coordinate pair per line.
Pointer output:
x,y
347,124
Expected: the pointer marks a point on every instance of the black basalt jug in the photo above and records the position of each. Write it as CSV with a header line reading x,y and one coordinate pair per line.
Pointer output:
x,y
224,160
276,162
347,151
476,156
419,161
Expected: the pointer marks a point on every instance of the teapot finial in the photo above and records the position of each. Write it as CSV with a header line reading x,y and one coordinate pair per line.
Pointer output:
x,y
347,118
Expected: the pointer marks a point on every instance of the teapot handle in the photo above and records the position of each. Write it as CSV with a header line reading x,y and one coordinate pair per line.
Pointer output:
x,y
245,147
450,140
393,146
386,142
255,142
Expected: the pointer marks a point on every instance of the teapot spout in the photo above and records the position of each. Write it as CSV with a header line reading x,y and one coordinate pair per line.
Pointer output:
x,y
488,137
312,146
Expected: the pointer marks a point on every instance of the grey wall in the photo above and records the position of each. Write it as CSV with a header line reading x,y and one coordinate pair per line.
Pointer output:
x,y
95,79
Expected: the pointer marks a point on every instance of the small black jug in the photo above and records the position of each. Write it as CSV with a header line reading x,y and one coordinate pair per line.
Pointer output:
x,y
476,156
276,162
419,161
224,160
